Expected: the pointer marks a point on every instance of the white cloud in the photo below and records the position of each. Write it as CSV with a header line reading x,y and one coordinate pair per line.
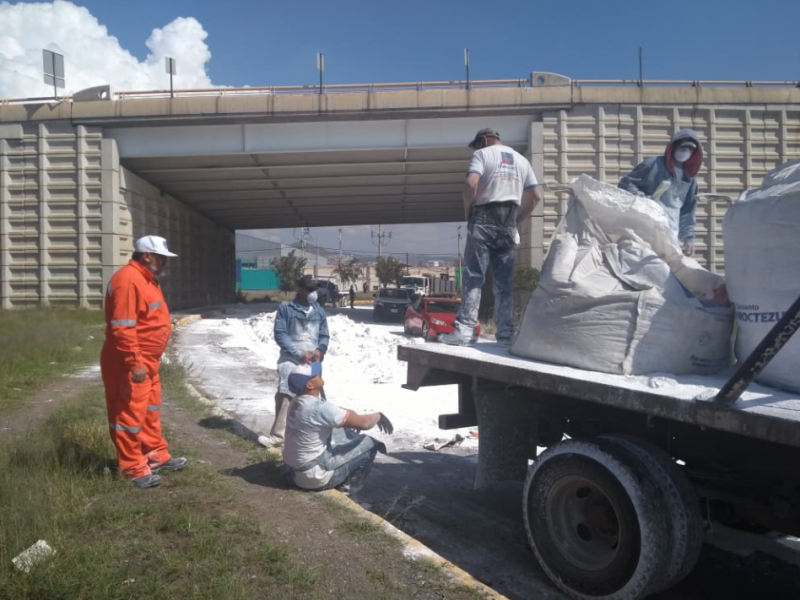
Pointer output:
x,y
92,56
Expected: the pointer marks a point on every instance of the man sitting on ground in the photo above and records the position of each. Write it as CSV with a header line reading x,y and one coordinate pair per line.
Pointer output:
x,y
321,451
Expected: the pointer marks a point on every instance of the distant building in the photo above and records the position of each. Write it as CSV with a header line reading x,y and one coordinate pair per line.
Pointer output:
x,y
256,253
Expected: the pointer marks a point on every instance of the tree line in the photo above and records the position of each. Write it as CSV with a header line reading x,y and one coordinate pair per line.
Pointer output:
x,y
291,267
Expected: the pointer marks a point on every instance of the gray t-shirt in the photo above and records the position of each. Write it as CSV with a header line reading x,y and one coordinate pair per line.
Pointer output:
x,y
309,426
504,174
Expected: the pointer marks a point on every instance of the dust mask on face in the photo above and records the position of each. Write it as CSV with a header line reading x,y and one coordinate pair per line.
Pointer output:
x,y
682,154
312,297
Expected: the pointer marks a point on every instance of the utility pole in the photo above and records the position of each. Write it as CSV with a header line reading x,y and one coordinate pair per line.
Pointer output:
x,y
380,237
340,243
304,233
407,271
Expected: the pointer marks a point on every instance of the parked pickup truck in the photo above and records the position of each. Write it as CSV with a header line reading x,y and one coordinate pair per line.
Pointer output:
x,y
328,293
635,468
419,286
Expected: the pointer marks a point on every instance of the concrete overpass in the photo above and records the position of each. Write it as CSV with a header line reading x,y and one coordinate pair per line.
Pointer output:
x,y
79,180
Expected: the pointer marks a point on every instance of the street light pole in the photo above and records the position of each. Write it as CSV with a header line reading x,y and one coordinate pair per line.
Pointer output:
x,y
466,63
321,68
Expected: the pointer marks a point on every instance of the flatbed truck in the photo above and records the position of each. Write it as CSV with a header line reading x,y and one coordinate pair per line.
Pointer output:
x,y
623,474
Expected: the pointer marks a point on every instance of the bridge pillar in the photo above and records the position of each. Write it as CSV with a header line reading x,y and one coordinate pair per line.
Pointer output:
x,y
531,248
7,133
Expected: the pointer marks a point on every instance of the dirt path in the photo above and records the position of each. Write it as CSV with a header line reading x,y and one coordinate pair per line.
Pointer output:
x,y
44,401
353,557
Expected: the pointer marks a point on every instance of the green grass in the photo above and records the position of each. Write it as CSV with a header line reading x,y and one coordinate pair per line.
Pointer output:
x,y
40,345
187,540
357,527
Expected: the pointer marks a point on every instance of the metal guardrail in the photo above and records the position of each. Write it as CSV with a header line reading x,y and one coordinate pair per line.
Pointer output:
x,y
415,86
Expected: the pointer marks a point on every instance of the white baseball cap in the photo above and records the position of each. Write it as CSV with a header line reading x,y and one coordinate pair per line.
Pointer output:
x,y
154,245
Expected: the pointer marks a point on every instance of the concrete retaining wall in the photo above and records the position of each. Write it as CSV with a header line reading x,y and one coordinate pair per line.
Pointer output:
x,y
69,215
605,141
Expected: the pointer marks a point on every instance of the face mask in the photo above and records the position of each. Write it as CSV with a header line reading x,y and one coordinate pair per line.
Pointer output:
x,y
682,154
157,271
312,297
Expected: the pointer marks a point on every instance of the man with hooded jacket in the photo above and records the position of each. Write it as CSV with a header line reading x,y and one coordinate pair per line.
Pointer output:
x,y
301,332
676,170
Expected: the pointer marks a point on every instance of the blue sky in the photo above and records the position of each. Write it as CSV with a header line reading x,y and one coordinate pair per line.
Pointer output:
x,y
262,42
274,43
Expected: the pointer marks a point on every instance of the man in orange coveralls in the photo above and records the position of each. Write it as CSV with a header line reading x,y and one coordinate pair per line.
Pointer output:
x,y
137,331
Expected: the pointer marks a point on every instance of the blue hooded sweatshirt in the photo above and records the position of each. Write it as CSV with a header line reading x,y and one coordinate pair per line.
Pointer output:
x,y
680,200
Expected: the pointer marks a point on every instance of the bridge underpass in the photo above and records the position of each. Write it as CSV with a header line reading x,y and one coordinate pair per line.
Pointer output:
x,y
346,173
79,181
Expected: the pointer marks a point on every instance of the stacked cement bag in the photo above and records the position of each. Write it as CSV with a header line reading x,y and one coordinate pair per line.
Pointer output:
x,y
617,295
762,266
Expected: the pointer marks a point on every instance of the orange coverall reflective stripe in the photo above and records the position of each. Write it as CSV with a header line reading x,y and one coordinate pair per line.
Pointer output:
x,y
138,328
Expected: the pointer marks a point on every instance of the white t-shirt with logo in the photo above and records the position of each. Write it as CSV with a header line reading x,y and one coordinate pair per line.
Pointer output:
x,y
310,422
504,174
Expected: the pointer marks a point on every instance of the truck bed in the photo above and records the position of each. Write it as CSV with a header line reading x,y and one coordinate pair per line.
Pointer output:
x,y
762,412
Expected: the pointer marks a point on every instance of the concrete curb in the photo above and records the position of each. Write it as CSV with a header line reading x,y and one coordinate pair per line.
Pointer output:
x,y
183,321
413,549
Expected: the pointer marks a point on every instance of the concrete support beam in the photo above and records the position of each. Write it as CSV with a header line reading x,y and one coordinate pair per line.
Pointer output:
x,y
531,251
5,253
117,237
43,228
311,137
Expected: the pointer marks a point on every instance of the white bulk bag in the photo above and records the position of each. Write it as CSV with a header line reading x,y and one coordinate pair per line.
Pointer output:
x,y
762,265
617,295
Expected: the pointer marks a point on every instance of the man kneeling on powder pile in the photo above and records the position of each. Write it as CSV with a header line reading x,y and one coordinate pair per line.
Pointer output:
x,y
321,451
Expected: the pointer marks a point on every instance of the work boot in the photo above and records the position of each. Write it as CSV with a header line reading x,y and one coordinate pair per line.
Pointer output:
x,y
270,441
173,464
147,481
457,338
504,342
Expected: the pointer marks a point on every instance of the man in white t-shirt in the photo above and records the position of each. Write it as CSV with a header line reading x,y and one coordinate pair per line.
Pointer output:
x,y
321,450
501,191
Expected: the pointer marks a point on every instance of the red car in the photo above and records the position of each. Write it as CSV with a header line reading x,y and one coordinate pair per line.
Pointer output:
x,y
432,316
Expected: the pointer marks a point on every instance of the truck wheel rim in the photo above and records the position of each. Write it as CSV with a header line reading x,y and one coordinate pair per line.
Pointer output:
x,y
583,523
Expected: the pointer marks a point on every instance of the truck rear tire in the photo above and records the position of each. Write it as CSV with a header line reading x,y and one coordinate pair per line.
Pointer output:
x,y
596,523
683,506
